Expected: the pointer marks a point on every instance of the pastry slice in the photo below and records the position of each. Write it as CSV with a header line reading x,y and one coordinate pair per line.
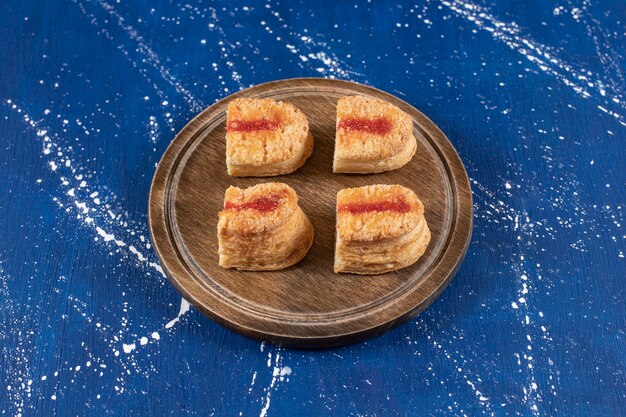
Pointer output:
x,y
372,136
265,138
262,228
380,228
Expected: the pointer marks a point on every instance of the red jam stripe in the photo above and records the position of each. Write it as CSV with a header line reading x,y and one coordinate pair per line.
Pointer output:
x,y
262,204
251,125
379,126
399,205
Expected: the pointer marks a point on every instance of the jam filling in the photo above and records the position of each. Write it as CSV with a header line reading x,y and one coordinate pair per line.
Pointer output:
x,y
379,126
262,204
251,125
399,205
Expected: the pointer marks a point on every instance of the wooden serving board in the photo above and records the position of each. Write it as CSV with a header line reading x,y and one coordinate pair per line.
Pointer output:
x,y
306,305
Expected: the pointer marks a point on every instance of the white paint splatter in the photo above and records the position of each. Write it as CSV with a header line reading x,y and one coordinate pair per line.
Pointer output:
x,y
147,53
184,308
279,374
582,81
71,176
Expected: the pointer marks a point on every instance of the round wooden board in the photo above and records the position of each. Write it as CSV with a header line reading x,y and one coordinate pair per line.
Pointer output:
x,y
306,305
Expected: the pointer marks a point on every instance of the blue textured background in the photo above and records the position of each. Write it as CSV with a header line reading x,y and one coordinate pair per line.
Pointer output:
x,y
532,94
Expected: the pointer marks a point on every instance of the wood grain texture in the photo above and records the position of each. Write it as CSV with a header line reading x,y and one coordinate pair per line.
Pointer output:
x,y
531,94
307,305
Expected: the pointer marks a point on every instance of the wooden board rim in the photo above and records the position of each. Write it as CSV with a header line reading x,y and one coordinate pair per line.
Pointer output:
x,y
299,333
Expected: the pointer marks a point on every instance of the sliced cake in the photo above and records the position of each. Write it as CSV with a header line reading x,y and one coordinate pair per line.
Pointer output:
x,y
262,228
372,136
265,138
380,228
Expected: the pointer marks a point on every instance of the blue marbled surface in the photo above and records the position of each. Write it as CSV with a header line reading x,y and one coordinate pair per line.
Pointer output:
x,y
532,94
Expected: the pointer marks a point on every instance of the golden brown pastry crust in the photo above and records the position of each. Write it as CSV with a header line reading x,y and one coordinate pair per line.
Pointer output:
x,y
380,228
262,228
363,151
281,149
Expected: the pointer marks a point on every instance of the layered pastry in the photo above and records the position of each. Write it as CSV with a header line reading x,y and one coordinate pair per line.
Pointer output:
x,y
380,228
372,136
265,138
262,228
